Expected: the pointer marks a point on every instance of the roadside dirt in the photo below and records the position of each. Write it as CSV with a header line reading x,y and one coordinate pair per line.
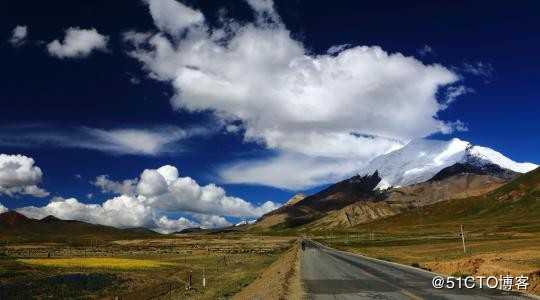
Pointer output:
x,y
279,281
515,264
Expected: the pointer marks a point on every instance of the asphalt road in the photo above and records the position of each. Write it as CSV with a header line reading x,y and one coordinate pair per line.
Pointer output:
x,y
331,274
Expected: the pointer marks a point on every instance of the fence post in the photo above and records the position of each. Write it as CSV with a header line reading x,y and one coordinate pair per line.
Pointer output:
x,y
204,277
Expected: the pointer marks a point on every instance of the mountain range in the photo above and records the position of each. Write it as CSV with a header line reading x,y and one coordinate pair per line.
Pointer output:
x,y
422,173
15,227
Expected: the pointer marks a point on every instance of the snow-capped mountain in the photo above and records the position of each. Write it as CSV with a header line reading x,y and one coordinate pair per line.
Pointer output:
x,y
245,222
420,160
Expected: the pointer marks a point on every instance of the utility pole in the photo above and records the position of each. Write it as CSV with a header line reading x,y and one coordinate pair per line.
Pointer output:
x,y
463,240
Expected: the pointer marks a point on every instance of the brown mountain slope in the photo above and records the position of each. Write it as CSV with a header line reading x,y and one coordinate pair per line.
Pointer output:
x,y
295,199
15,227
410,197
518,201
337,196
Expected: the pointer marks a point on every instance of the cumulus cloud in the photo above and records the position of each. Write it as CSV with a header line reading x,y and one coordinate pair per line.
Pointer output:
x,y
146,200
211,221
153,141
20,176
3,209
78,43
19,35
289,99
106,185
166,225
163,189
121,211
173,17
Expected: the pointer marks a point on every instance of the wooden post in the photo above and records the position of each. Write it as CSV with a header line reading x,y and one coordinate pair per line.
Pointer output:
x,y
189,280
204,277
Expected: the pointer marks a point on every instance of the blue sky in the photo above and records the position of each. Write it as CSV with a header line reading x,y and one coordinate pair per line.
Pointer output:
x,y
107,103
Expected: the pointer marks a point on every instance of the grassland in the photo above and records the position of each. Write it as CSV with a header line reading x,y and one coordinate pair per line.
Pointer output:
x,y
138,269
99,262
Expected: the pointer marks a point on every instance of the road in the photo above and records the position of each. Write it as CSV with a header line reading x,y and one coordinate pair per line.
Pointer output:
x,y
331,274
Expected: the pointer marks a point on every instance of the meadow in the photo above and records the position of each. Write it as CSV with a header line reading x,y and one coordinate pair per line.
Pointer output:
x,y
138,269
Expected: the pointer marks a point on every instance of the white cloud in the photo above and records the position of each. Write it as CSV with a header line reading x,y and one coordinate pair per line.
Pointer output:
x,y
136,140
295,171
290,99
19,175
480,69
166,225
78,43
265,11
19,35
164,190
211,221
153,141
453,92
3,209
426,50
126,187
173,17
149,198
337,49
121,211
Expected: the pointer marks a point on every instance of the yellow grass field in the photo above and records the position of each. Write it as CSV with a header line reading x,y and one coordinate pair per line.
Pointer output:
x,y
109,263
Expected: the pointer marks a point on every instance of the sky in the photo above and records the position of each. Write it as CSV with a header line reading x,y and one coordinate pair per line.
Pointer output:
x,y
169,114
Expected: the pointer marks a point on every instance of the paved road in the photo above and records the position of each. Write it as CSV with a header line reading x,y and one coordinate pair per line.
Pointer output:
x,y
332,274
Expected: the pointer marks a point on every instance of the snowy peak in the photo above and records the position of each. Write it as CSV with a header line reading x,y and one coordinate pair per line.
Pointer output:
x,y
420,160
245,222
479,154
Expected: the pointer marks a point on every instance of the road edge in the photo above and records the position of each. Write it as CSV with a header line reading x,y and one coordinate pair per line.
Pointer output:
x,y
280,280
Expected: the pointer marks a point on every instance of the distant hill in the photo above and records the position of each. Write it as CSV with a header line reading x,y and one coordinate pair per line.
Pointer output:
x,y
15,227
191,230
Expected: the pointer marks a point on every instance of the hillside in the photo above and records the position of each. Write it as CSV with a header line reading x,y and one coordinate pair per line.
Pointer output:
x,y
356,200
337,196
398,200
15,227
518,201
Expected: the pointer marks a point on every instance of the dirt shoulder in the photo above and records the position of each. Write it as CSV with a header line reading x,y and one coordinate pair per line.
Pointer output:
x,y
281,280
